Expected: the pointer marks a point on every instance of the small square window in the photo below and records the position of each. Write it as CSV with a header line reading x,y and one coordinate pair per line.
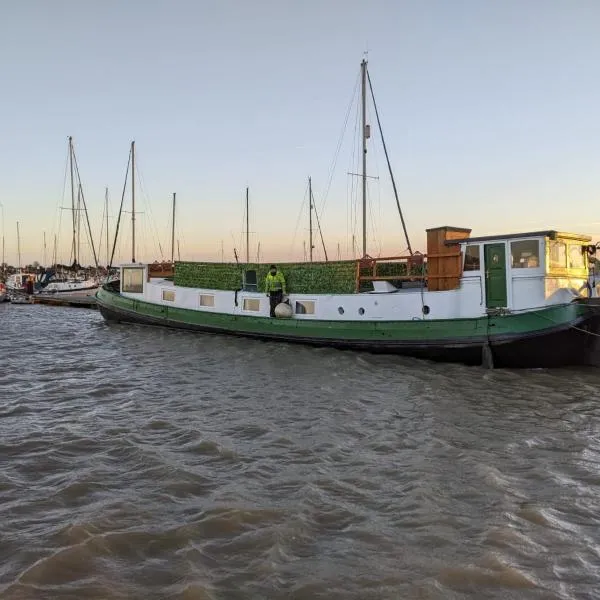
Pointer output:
x,y
472,260
558,255
305,307
133,280
207,300
168,295
525,254
252,304
576,257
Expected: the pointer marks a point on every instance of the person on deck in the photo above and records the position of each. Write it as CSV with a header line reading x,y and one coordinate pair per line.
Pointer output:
x,y
275,287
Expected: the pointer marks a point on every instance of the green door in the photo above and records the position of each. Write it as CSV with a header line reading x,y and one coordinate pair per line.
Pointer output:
x,y
495,275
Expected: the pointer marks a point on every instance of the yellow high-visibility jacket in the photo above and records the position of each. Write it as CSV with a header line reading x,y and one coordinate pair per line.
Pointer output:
x,y
275,283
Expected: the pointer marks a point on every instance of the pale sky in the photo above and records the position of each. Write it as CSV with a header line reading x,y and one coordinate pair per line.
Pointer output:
x,y
490,109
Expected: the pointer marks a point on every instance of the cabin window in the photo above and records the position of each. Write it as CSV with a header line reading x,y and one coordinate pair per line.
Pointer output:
x,y
557,255
472,260
207,300
576,257
252,304
306,307
168,295
133,280
525,254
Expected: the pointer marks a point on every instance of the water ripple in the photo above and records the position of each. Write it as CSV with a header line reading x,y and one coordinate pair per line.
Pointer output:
x,y
146,463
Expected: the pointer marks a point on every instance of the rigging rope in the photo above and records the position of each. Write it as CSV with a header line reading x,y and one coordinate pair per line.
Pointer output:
x,y
312,203
87,218
339,145
150,213
388,163
120,212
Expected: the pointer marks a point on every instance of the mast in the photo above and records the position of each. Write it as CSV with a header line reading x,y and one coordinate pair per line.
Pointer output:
x,y
3,261
79,220
54,252
247,229
173,233
106,208
132,202
19,246
365,135
45,249
74,248
310,228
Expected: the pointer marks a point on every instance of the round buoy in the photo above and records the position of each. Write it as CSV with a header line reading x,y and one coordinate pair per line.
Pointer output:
x,y
283,311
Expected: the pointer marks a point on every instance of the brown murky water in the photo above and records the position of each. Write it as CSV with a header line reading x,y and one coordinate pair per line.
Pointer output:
x,y
145,463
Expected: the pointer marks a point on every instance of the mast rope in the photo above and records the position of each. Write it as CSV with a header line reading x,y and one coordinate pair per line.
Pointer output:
x,y
150,213
298,219
87,218
339,146
120,212
388,163
312,203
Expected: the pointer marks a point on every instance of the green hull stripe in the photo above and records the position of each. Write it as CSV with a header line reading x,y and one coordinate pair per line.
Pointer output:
x,y
496,327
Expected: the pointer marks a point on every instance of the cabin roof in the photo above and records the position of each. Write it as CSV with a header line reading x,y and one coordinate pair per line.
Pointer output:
x,y
550,233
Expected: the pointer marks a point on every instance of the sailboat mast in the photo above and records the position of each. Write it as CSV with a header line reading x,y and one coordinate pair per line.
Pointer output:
x,y
310,227
19,245
106,209
79,221
363,69
132,202
74,248
247,228
45,249
173,233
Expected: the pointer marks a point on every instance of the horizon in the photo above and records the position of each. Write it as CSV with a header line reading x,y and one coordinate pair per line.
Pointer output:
x,y
489,113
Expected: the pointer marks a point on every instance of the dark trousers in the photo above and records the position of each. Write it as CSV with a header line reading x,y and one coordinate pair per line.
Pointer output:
x,y
275,298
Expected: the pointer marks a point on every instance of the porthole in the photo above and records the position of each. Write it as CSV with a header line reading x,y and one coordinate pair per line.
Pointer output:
x,y
361,311
425,309
341,310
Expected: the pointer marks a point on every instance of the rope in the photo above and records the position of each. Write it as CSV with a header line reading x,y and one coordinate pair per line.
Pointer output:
x,y
339,144
571,326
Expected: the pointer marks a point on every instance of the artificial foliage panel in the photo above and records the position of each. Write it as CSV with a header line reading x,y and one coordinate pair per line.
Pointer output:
x,y
301,278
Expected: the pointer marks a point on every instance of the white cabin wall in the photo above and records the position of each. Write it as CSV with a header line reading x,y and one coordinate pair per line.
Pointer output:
x,y
465,302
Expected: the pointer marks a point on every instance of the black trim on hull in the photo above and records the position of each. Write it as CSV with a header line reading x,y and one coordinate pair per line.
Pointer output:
x,y
554,347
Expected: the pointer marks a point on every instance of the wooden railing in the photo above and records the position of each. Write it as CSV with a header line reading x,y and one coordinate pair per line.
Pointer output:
x,y
419,267
165,269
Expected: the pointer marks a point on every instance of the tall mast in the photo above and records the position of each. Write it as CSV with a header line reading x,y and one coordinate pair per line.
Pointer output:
x,y
2,209
247,229
19,245
132,202
365,135
74,248
54,260
45,249
106,209
79,220
310,228
173,233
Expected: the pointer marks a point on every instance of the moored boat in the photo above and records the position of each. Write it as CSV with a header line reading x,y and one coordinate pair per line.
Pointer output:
x,y
518,300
